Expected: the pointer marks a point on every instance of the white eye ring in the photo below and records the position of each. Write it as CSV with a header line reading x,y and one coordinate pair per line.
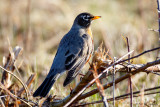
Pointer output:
x,y
85,17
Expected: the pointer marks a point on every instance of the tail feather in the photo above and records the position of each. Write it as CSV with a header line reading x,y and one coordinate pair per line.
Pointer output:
x,y
45,87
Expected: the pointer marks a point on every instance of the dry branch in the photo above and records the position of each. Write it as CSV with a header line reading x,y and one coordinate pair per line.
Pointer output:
x,y
133,67
130,78
100,86
28,83
158,9
2,103
154,49
9,65
12,95
114,72
142,68
124,96
17,79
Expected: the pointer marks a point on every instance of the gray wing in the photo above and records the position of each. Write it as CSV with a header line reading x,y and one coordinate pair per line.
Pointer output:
x,y
76,58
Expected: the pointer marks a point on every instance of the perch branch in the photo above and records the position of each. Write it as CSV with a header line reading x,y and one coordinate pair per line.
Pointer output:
x,y
142,68
117,98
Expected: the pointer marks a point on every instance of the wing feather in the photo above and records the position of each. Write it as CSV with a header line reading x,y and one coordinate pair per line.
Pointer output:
x,y
75,63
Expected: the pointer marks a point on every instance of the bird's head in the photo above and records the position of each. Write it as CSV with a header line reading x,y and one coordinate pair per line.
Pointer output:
x,y
84,19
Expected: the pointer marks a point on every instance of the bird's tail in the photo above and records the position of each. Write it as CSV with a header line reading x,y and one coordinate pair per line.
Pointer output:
x,y
45,87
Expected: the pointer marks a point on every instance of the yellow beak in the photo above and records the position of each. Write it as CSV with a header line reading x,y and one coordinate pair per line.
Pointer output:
x,y
96,17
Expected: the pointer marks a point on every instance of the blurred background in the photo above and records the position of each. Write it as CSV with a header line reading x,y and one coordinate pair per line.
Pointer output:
x,y
38,26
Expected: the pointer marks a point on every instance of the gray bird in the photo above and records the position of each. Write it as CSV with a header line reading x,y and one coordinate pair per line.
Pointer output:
x,y
74,51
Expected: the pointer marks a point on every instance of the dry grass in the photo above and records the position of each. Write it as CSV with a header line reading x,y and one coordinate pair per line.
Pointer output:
x,y
38,26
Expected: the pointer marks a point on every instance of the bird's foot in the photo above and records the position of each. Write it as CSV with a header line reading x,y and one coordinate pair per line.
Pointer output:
x,y
71,90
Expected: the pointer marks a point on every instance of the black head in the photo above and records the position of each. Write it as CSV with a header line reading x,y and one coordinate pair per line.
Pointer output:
x,y
85,19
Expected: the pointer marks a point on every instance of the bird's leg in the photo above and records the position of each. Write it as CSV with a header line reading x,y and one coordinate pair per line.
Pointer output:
x,y
70,89
81,74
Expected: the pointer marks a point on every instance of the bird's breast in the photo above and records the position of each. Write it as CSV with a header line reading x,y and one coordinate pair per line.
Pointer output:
x,y
89,32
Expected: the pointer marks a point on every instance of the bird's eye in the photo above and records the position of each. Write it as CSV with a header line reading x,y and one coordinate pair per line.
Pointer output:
x,y
88,16
85,17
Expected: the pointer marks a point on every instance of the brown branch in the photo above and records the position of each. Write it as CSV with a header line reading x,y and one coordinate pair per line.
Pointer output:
x,y
99,86
130,78
12,95
9,65
28,83
133,67
17,79
145,66
114,72
154,49
2,103
124,96
158,9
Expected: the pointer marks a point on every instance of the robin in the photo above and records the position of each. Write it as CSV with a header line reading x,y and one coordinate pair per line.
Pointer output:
x,y
74,51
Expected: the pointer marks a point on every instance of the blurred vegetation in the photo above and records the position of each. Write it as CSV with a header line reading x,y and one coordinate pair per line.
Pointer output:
x,y
38,26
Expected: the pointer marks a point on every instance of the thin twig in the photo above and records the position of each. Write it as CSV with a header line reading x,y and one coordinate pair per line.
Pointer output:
x,y
26,89
12,95
123,68
155,73
10,64
114,83
130,78
120,78
111,99
2,103
158,9
124,96
28,83
99,86
153,30
142,96
154,49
